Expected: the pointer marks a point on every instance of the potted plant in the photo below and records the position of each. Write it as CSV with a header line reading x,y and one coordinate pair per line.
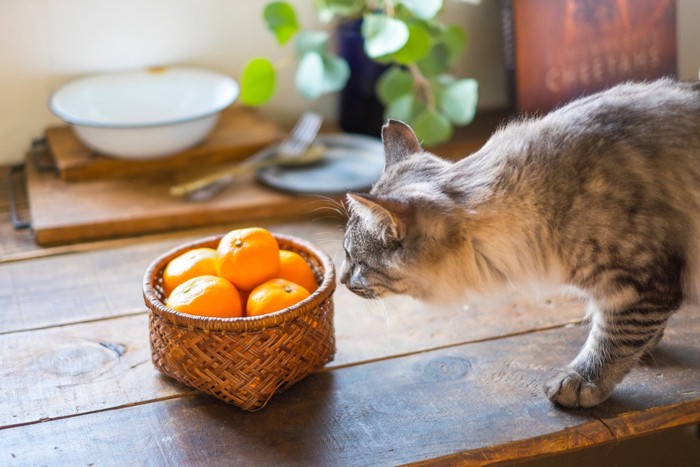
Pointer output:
x,y
415,49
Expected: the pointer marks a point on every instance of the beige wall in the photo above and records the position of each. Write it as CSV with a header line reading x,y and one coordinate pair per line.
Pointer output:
x,y
44,43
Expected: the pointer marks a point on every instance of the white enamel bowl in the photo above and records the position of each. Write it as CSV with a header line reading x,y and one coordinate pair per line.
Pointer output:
x,y
144,114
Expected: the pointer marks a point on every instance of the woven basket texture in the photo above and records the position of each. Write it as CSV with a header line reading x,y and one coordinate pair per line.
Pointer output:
x,y
243,361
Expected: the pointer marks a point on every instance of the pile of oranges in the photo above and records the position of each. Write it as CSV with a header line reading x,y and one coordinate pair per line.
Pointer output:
x,y
246,275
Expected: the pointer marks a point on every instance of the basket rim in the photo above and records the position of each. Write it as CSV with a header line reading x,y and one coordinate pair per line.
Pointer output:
x,y
247,323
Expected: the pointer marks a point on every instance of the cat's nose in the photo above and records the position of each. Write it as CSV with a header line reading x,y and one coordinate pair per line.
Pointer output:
x,y
344,273
355,280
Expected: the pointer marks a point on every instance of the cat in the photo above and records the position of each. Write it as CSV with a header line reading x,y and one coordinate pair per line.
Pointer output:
x,y
600,196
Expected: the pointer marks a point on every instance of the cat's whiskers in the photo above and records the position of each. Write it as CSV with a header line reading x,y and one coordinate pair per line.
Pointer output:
x,y
328,208
323,218
382,302
332,205
331,238
333,215
386,318
650,356
335,255
328,241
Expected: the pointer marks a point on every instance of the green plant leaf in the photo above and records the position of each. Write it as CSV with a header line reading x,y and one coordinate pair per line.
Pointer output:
x,y
401,108
393,84
311,41
445,80
336,72
458,101
309,75
343,9
432,127
448,44
319,74
455,40
417,46
383,35
281,20
257,82
423,9
435,62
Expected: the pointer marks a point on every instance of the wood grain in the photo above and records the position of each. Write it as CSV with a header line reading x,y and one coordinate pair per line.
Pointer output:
x,y
239,132
64,212
19,244
48,294
468,404
75,369
361,332
27,364
104,283
410,384
103,279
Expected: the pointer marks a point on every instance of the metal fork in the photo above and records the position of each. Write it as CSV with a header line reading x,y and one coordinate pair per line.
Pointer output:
x,y
302,135
294,146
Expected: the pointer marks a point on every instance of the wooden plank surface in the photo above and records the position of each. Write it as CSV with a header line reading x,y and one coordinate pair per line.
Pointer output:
x,y
104,283
87,288
409,383
64,212
452,404
55,366
103,280
76,369
239,132
20,244
129,391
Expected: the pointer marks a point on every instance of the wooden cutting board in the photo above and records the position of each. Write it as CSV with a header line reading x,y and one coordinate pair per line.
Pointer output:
x,y
65,212
239,132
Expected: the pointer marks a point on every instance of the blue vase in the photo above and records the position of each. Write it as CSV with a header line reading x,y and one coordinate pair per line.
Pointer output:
x,y
360,110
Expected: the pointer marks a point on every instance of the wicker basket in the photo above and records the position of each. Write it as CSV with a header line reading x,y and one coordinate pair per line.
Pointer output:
x,y
243,361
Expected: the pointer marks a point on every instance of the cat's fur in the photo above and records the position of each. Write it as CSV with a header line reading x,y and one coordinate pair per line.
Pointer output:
x,y
601,196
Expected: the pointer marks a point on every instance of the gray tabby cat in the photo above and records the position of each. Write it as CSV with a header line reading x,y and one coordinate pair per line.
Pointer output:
x,y
601,195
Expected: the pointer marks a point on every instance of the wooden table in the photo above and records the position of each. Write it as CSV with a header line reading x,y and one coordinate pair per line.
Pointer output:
x,y
410,383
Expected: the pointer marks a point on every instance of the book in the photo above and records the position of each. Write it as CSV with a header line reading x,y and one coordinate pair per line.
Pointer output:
x,y
559,50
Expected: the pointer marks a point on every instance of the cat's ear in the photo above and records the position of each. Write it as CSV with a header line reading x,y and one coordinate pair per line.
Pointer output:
x,y
381,214
399,141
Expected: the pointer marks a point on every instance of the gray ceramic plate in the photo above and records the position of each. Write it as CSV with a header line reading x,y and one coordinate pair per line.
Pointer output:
x,y
351,163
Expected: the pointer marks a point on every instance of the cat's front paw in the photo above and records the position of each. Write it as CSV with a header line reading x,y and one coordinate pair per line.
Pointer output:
x,y
569,389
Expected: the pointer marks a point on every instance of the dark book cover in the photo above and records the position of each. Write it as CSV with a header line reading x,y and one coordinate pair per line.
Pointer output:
x,y
558,50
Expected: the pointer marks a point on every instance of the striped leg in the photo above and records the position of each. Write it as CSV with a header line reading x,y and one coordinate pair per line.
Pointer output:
x,y
614,345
